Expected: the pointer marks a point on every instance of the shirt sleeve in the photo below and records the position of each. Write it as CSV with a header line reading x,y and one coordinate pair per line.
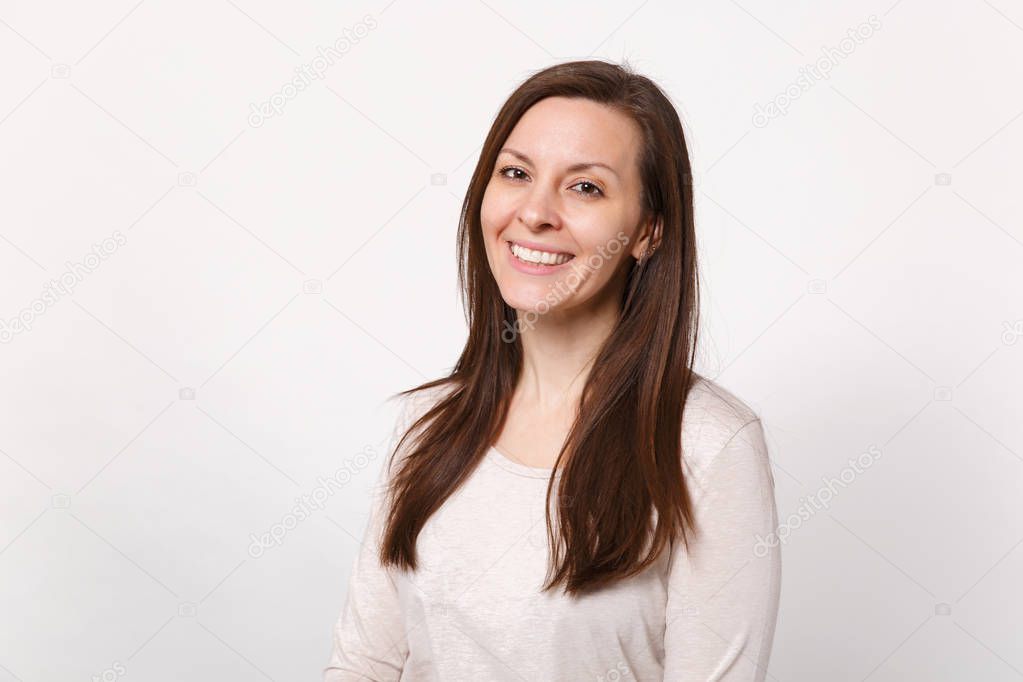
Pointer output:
x,y
368,638
723,593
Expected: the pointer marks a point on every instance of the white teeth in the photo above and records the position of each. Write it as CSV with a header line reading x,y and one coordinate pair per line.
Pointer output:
x,y
539,257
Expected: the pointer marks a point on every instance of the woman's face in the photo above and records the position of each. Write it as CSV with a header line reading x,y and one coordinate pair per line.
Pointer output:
x,y
561,213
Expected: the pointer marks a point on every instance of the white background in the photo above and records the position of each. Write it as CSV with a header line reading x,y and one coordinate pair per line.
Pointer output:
x,y
861,260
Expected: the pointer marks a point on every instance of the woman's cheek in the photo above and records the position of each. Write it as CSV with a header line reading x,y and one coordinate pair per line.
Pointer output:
x,y
491,215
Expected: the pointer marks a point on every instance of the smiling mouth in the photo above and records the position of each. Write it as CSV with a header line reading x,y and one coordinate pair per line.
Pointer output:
x,y
534,257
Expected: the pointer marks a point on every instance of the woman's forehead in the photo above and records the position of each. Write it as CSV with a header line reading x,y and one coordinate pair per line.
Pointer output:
x,y
565,131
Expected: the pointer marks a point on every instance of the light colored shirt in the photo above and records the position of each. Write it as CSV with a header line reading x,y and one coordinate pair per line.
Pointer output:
x,y
474,611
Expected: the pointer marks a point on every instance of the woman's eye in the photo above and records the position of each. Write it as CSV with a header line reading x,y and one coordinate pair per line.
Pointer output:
x,y
504,171
593,190
589,188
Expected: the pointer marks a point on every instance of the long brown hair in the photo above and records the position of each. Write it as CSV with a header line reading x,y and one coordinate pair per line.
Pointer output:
x,y
621,498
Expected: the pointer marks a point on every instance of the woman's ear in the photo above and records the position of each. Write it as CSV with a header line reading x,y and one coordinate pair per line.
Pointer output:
x,y
649,237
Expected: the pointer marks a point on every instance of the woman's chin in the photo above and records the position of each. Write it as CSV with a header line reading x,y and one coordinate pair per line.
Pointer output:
x,y
551,310
532,303
523,296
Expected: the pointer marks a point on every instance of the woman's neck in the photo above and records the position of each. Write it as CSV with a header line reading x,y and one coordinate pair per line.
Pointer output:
x,y
558,352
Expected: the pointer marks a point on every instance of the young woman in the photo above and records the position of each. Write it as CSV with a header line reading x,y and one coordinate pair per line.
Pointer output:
x,y
573,502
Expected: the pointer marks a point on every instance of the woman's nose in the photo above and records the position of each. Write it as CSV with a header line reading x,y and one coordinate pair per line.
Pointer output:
x,y
539,210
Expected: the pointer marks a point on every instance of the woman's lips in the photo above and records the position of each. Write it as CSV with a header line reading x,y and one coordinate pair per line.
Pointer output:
x,y
533,268
536,246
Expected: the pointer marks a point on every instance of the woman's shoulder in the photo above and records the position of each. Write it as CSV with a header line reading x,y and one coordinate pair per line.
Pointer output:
x,y
415,402
411,404
713,416
405,408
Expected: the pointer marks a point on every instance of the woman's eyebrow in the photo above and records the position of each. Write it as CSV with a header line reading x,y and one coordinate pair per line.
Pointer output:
x,y
582,165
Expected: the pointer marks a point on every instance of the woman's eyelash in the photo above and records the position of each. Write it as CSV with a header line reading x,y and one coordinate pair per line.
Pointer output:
x,y
594,193
508,168
597,191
